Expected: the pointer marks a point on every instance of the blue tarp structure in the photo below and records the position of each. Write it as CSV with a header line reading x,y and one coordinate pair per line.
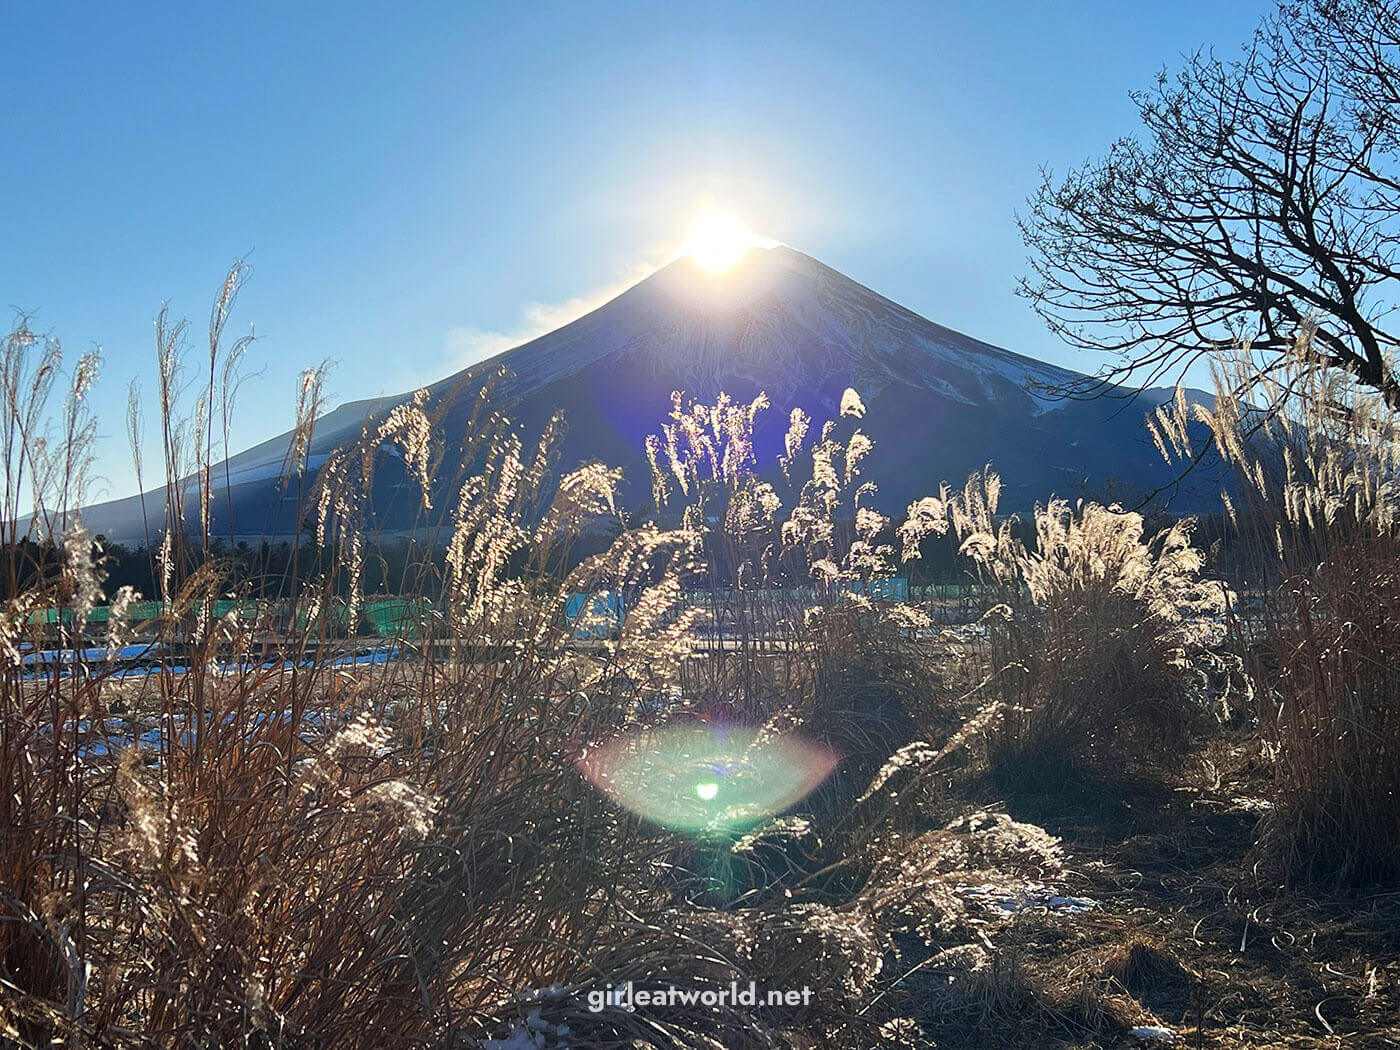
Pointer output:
x,y
895,589
595,616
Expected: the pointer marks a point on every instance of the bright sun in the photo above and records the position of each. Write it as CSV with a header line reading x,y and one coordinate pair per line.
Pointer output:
x,y
717,241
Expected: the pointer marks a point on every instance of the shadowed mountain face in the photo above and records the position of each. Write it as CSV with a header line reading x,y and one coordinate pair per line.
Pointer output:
x,y
939,404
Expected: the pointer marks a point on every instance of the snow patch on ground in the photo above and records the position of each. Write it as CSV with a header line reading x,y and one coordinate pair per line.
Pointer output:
x,y
1000,898
1151,1033
1252,805
532,1033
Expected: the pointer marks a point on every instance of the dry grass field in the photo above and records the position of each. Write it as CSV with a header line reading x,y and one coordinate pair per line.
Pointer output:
x,y
1102,809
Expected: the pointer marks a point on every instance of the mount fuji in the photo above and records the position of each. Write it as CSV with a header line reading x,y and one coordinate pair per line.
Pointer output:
x,y
940,404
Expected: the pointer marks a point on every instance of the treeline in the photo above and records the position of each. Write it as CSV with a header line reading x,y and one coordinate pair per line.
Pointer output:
x,y
400,566
266,569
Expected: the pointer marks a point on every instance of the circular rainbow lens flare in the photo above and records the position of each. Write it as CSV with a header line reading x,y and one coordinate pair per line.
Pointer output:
x,y
699,777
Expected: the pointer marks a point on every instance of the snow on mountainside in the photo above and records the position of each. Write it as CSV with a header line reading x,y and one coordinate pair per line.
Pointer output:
x,y
941,403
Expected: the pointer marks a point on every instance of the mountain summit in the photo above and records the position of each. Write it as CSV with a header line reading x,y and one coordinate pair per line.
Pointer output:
x,y
940,404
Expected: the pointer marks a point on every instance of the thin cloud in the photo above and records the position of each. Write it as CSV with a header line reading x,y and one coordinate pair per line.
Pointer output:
x,y
465,345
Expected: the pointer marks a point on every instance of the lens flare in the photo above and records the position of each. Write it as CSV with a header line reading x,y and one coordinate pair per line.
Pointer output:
x,y
699,778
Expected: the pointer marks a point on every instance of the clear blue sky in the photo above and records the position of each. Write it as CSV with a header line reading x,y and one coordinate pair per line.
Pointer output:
x,y
416,183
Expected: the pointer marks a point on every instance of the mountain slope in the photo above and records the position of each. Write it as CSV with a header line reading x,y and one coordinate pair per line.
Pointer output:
x,y
940,404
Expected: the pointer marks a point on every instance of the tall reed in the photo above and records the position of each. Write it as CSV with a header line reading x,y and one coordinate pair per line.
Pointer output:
x,y
1315,509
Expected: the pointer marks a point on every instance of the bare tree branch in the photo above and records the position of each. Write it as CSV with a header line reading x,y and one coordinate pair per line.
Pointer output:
x,y
1262,198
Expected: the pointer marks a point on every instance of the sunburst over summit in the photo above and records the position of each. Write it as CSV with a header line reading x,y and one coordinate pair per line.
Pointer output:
x,y
717,241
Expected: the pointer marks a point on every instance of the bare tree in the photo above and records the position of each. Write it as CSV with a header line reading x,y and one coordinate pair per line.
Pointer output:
x,y
1261,204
